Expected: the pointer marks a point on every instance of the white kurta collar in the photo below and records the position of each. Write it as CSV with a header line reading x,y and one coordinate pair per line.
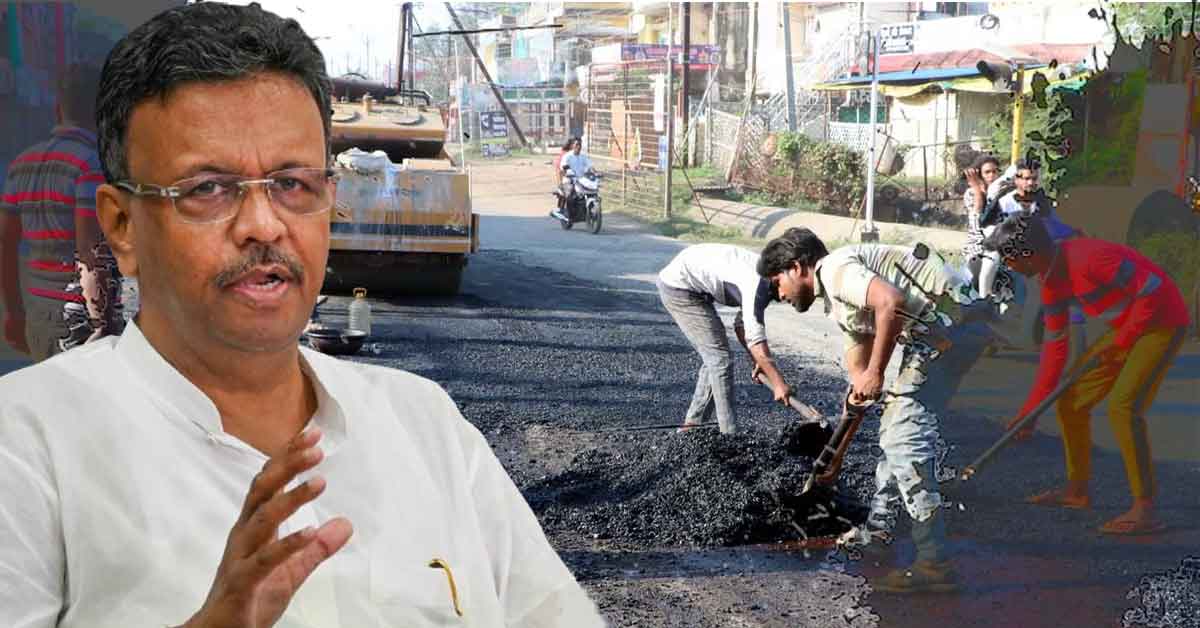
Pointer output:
x,y
176,393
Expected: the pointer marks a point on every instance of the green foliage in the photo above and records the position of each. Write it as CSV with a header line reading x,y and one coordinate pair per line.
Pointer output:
x,y
1178,254
1105,153
1138,20
1053,130
1043,130
791,144
826,174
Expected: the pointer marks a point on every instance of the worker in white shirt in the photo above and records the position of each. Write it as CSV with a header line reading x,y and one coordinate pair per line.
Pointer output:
x,y
698,277
203,469
579,163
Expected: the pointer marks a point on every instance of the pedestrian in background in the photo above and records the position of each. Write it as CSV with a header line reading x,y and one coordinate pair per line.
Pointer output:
x,y
58,279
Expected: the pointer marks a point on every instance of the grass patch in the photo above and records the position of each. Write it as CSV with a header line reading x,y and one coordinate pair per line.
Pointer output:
x,y
475,155
767,199
686,222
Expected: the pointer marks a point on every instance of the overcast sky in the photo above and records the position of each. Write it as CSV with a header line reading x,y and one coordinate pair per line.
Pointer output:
x,y
343,32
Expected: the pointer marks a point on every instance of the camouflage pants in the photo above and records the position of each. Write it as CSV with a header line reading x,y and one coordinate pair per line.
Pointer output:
x,y
909,435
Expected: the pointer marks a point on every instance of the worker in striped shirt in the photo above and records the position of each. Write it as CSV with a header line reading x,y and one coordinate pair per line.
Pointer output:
x,y
58,280
1149,320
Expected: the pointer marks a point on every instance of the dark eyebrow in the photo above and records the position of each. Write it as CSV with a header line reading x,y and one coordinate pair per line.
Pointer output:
x,y
212,168
287,165
203,168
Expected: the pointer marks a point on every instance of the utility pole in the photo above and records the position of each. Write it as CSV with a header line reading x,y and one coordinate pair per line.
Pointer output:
x,y
462,108
670,113
512,120
412,57
1018,113
752,66
787,60
684,105
869,233
367,61
403,37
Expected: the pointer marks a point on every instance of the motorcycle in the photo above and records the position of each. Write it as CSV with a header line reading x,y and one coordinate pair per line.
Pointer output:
x,y
583,205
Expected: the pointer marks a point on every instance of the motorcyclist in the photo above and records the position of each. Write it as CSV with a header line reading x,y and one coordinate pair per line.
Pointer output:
x,y
578,164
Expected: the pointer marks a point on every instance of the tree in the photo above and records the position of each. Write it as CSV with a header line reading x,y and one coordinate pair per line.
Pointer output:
x,y
435,59
1139,20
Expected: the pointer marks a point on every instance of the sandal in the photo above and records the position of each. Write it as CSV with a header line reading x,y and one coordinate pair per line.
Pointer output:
x,y
1126,527
1055,497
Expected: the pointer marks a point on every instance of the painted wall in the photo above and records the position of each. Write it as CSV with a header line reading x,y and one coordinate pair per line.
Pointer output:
x,y
1064,22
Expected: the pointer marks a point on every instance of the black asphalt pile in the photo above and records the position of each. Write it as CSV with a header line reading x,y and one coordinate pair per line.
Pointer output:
x,y
699,489
544,363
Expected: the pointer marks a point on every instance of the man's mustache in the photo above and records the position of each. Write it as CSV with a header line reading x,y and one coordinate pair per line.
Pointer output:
x,y
259,255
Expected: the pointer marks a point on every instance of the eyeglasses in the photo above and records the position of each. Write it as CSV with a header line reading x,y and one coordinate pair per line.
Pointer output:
x,y
214,198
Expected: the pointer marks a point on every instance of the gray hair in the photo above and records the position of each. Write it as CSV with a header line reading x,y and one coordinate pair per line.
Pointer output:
x,y
204,42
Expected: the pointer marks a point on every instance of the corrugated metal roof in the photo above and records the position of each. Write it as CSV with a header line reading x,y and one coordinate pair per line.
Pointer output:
x,y
905,77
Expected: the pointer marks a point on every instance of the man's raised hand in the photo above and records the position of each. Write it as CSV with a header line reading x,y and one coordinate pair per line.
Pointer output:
x,y
260,572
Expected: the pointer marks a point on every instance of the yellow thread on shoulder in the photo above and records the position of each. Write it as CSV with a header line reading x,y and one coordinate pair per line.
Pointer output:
x,y
438,563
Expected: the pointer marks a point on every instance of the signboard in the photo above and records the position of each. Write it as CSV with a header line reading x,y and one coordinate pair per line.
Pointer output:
x,y
897,39
493,129
699,55
662,152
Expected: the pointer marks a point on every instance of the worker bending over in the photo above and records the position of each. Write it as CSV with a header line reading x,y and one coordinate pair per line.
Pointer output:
x,y
879,295
698,277
1149,321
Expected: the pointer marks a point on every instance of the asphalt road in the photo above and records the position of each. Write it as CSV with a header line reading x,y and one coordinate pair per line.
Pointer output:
x,y
1022,565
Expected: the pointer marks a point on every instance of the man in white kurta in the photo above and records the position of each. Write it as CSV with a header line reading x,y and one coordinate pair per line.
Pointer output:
x,y
203,470
119,487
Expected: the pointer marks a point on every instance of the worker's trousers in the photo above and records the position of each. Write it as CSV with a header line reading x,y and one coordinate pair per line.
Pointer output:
x,y
44,326
701,325
909,434
1130,384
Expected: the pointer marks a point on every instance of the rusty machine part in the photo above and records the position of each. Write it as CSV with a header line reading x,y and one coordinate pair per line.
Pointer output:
x,y
402,131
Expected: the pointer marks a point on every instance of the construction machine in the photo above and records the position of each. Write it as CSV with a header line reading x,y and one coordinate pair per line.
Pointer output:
x,y
403,223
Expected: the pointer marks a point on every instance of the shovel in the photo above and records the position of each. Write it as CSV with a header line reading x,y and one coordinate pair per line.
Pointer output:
x,y
805,410
973,468
828,465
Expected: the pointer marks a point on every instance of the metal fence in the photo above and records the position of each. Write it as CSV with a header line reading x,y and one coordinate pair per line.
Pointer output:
x,y
626,134
722,136
544,115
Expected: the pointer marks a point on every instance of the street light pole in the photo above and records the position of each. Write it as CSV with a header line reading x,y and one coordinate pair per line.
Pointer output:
x,y
1018,114
869,232
669,106
787,59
